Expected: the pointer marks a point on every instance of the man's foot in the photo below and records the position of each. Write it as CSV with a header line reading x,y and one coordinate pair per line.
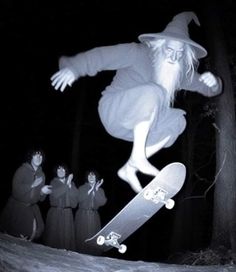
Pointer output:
x,y
143,165
128,174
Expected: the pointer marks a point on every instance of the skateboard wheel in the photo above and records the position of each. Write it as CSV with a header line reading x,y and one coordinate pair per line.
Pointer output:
x,y
148,194
100,240
170,203
122,249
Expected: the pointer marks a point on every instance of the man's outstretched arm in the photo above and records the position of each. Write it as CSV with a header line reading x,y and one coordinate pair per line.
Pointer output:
x,y
206,84
211,81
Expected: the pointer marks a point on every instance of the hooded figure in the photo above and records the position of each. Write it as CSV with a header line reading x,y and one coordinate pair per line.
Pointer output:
x,y
59,229
91,197
21,217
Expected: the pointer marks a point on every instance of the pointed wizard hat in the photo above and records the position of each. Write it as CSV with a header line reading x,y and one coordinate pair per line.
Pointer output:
x,y
177,29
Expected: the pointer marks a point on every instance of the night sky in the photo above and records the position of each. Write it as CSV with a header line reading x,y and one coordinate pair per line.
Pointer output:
x,y
34,35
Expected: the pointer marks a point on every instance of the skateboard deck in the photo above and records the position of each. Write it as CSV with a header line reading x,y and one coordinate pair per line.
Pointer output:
x,y
141,208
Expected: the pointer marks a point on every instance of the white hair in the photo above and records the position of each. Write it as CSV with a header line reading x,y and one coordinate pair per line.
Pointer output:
x,y
171,76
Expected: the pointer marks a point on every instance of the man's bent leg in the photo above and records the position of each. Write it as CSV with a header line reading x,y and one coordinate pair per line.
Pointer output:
x,y
138,157
153,149
150,102
138,160
128,171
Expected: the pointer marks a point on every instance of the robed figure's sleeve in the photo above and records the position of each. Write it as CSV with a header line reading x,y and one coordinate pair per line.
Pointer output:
x,y
196,85
22,182
93,200
98,59
99,198
62,195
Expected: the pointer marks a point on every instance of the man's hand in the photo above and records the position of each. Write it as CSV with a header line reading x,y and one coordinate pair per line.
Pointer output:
x,y
36,182
211,81
46,189
91,190
99,183
62,78
69,179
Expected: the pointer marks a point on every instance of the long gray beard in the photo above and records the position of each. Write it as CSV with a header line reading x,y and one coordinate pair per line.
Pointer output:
x,y
168,76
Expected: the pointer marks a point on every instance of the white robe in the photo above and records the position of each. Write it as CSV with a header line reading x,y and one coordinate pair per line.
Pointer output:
x,y
132,96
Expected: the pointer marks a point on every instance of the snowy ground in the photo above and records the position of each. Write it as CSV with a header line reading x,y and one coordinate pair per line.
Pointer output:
x,y
19,255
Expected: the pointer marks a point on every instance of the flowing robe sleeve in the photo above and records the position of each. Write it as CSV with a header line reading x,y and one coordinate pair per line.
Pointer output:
x,y
62,195
22,182
197,86
98,59
92,200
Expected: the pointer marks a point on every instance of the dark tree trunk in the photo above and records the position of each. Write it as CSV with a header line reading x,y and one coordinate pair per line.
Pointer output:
x,y
224,219
182,227
186,228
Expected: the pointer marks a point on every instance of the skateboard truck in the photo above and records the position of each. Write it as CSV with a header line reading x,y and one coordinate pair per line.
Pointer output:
x,y
112,240
157,196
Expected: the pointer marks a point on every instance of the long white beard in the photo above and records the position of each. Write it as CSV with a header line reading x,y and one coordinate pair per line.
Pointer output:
x,y
168,76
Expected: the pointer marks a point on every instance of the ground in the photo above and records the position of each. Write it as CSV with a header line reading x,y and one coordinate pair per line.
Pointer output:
x,y
20,255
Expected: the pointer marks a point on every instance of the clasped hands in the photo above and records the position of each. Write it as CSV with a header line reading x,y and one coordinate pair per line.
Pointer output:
x,y
69,179
95,186
46,189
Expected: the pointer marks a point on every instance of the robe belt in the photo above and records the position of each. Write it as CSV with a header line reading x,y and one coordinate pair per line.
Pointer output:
x,y
23,203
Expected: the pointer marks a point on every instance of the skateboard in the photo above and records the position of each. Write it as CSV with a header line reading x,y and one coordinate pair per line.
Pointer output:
x,y
158,193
